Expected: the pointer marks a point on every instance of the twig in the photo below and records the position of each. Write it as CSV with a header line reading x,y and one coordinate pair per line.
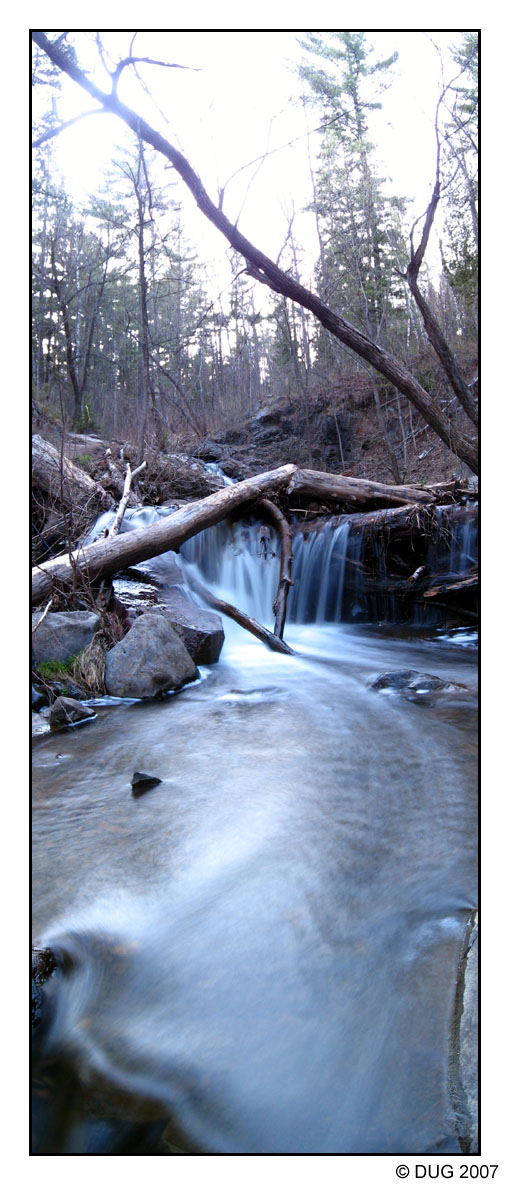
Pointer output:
x,y
130,474
43,615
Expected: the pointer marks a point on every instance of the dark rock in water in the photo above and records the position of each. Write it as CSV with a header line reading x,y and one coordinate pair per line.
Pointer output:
x,y
43,965
61,636
200,630
415,685
151,658
69,711
142,782
39,699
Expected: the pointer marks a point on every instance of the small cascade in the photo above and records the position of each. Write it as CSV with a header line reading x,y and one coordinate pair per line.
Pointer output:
x,y
343,570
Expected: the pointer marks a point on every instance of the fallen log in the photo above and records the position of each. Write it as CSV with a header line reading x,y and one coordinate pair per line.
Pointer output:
x,y
280,602
336,487
65,482
248,623
107,556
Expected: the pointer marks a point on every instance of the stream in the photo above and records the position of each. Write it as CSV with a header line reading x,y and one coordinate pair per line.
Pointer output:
x,y
260,954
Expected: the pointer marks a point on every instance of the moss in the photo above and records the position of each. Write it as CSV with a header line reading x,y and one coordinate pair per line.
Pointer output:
x,y
54,669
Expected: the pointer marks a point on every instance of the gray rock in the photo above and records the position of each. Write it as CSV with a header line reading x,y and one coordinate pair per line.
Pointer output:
x,y
61,636
68,711
200,630
149,659
415,685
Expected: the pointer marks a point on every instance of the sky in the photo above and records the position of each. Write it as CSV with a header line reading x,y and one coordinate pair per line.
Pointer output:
x,y
239,98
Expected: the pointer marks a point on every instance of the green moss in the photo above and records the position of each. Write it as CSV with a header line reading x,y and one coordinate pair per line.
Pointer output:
x,y
85,461
54,669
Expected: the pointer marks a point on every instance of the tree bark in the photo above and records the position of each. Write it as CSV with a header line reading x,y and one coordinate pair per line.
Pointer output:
x,y
335,487
63,481
266,271
285,582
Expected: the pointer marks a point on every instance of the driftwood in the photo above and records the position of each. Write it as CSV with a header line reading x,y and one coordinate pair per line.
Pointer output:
x,y
285,582
248,623
107,556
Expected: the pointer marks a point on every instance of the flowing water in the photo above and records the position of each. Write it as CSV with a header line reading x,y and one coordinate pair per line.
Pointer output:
x,y
260,954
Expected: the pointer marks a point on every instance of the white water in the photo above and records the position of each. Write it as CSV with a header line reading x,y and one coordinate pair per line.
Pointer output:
x,y
264,947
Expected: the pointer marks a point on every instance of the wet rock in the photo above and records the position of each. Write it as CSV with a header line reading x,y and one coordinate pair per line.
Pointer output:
x,y
39,698
140,783
61,636
69,711
415,685
200,630
43,966
150,659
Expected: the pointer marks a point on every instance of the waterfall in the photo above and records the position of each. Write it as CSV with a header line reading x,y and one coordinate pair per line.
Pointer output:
x,y
340,568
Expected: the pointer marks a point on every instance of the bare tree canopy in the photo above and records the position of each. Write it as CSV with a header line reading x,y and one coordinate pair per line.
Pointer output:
x,y
267,272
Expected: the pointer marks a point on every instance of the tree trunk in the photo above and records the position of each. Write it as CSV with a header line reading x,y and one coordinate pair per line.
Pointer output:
x,y
285,582
335,487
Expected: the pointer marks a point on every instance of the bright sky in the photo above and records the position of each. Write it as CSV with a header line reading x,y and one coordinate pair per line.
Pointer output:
x,y
240,99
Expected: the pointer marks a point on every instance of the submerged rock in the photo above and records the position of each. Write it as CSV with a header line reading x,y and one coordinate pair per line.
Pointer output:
x,y
151,658
416,685
61,636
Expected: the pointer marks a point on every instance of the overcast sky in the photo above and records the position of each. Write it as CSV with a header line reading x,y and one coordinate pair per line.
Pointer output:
x,y
241,98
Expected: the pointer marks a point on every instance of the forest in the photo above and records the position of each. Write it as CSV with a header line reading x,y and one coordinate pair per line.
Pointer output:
x,y
131,341
255,407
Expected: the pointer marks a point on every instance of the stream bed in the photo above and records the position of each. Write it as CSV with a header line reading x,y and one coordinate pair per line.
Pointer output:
x,y
260,954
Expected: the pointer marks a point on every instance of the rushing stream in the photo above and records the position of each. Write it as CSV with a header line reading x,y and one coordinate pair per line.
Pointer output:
x,y
263,949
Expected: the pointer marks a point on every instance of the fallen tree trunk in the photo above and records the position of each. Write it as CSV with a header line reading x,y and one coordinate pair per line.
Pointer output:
x,y
285,582
65,482
106,556
353,489
248,623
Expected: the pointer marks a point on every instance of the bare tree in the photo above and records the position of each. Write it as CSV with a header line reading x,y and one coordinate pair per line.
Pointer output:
x,y
264,269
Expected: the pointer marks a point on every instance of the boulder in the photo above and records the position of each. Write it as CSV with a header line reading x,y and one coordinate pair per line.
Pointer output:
x,y
199,629
65,710
61,636
149,659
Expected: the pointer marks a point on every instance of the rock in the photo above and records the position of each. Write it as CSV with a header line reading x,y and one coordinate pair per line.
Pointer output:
x,y
39,698
151,658
142,782
200,630
415,686
43,965
61,636
69,711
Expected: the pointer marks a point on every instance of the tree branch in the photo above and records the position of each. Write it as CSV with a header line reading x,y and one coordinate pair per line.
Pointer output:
x,y
266,271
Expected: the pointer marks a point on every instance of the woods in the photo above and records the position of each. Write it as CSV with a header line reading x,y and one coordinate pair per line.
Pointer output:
x,y
190,360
